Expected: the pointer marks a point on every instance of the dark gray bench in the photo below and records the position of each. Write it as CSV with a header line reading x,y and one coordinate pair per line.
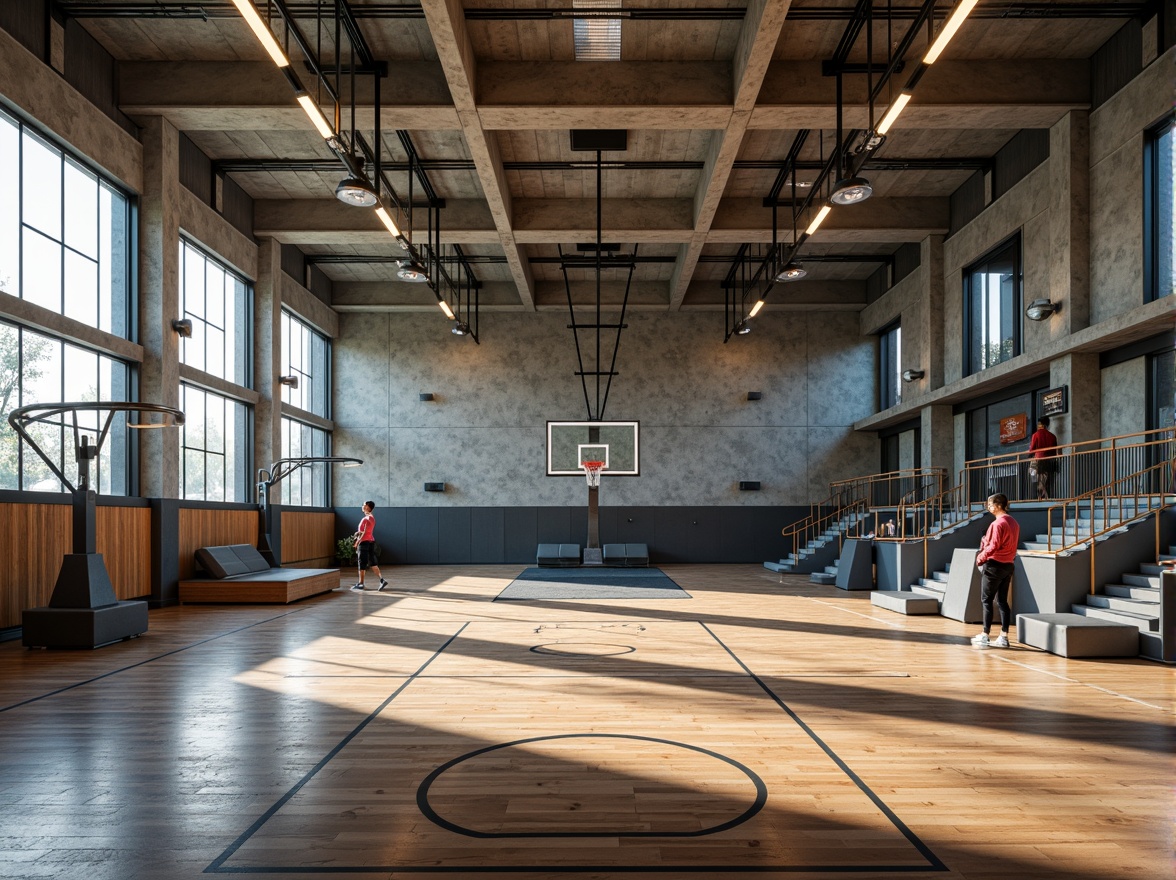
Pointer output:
x,y
1073,635
237,573
626,555
558,555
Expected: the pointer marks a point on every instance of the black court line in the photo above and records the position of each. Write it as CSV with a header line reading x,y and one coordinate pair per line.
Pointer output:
x,y
217,865
79,684
932,864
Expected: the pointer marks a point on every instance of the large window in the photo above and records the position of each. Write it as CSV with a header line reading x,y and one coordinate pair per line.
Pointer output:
x,y
308,486
41,369
217,302
305,356
992,308
1160,212
213,460
64,232
890,367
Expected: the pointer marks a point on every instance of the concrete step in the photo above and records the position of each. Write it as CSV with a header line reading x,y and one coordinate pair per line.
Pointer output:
x,y
904,602
1142,580
940,576
1130,591
1151,568
782,568
1140,621
831,569
919,590
1116,604
931,585
823,577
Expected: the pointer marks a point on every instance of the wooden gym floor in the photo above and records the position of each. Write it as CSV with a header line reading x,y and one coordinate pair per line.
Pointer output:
x,y
763,727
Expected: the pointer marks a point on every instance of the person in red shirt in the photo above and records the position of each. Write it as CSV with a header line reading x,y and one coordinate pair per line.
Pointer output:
x,y
995,561
1042,449
365,546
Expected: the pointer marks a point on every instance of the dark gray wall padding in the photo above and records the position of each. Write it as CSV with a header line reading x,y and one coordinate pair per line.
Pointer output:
x,y
250,557
855,571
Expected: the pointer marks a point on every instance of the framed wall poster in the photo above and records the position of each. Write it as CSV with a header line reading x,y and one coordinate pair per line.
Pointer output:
x,y
1054,402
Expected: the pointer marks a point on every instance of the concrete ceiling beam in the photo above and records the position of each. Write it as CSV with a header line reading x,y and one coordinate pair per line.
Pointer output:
x,y
758,37
844,294
255,96
447,27
564,221
890,220
329,221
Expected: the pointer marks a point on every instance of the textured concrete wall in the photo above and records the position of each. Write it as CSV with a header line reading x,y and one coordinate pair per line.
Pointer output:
x,y
1124,398
484,433
1116,189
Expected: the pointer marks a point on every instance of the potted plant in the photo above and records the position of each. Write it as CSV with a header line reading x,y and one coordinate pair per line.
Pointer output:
x,y
345,551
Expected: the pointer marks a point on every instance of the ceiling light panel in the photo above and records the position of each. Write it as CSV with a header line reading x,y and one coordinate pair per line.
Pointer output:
x,y
597,38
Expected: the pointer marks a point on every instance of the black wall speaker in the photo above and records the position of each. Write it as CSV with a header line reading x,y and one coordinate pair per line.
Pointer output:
x,y
749,485
754,395
426,395
434,487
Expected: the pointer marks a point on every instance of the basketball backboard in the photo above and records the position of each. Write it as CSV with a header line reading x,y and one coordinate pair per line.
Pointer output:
x,y
614,443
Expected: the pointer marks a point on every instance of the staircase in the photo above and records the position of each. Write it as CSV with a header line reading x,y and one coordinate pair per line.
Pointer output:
x,y
1075,533
820,554
828,577
1135,601
934,586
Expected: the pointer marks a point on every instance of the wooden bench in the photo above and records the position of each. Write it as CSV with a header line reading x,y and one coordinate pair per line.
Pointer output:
x,y
237,573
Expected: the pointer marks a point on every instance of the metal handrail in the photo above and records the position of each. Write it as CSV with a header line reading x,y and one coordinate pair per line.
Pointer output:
x,y
1078,468
801,535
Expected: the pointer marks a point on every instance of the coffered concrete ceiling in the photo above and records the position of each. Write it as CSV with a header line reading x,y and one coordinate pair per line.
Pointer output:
x,y
716,103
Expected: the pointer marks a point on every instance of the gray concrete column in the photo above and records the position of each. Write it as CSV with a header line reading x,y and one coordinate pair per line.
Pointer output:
x,y
1069,223
1084,420
937,433
159,303
267,363
932,287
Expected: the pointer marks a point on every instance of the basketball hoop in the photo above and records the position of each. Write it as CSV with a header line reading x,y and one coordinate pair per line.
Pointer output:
x,y
592,471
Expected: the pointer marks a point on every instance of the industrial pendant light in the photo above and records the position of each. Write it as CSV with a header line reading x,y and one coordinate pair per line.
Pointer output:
x,y
460,328
411,271
357,192
850,191
792,272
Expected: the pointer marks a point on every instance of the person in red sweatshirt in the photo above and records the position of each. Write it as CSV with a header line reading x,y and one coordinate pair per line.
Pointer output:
x,y
995,561
1042,449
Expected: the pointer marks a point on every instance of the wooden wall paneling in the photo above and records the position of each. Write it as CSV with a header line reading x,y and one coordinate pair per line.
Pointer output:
x,y
213,528
308,539
33,540
124,540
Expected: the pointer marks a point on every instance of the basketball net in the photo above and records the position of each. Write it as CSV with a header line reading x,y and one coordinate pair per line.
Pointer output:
x,y
592,471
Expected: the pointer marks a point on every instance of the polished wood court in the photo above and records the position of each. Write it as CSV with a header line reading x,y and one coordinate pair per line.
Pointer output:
x,y
764,726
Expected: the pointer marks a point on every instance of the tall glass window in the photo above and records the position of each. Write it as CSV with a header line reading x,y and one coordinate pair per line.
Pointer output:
x,y
890,367
217,302
1160,211
305,356
213,461
307,486
992,308
64,232
35,368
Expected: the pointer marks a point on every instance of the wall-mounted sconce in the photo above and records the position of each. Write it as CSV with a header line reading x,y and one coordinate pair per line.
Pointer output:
x,y
183,326
434,487
1040,309
912,375
426,395
288,381
755,395
749,485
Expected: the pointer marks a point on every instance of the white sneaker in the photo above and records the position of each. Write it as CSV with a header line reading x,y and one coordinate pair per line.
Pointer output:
x,y
981,641
357,588
383,584
1001,642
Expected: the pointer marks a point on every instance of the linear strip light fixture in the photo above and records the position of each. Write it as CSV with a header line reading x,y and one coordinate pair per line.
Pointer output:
x,y
819,219
961,12
391,226
755,310
262,32
445,308
311,108
893,111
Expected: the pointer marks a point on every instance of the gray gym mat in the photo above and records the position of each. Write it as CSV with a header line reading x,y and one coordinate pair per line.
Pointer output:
x,y
592,583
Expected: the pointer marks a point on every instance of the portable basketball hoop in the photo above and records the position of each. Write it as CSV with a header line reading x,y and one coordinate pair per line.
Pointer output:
x,y
592,471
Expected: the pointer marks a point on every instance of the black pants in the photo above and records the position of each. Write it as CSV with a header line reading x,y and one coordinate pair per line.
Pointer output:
x,y
995,578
